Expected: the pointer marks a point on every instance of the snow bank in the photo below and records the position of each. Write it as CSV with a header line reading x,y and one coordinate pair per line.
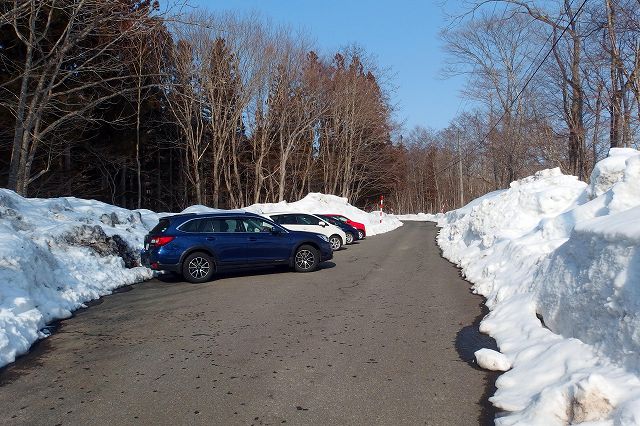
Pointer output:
x,y
553,247
331,204
56,254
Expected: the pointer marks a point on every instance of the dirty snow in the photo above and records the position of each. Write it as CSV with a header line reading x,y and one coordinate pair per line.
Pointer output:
x,y
559,263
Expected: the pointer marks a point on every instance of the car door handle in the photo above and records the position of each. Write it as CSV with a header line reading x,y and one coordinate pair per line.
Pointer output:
x,y
211,238
253,239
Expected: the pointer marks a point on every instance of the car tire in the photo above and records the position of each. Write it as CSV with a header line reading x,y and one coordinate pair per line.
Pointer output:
x,y
198,267
336,242
306,259
349,238
360,235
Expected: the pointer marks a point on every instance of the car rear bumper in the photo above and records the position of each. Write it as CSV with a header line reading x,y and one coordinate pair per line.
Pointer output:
x,y
148,260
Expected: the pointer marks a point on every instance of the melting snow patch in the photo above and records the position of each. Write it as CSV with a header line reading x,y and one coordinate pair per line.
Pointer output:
x,y
420,217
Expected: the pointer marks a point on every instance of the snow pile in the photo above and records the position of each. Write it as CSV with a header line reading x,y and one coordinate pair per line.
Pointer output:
x,y
330,204
556,248
56,254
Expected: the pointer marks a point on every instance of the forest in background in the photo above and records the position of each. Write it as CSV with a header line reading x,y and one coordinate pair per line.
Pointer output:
x,y
118,102
140,106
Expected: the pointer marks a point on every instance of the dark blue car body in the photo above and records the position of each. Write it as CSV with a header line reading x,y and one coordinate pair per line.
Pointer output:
x,y
230,240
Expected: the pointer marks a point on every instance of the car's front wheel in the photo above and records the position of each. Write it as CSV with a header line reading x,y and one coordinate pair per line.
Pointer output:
x,y
349,238
306,259
336,242
360,235
198,268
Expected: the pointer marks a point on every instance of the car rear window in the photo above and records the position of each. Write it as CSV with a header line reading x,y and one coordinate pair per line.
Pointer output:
x,y
192,226
160,227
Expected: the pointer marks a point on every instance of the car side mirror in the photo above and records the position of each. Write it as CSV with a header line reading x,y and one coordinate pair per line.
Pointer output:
x,y
276,231
323,224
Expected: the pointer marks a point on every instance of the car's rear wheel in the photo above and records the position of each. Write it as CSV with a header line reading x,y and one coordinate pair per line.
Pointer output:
x,y
198,267
306,259
349,238
336,242
360,235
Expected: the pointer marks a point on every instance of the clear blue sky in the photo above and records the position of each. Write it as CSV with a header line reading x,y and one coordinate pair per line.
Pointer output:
x,y
402,34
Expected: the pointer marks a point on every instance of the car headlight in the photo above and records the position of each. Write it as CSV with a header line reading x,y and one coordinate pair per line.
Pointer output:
x,y
324,237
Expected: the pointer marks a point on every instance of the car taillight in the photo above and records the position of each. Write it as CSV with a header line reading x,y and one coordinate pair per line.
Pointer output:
x,y
160,241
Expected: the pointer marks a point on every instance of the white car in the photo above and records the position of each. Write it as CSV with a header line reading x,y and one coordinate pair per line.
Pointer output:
x,y
310,223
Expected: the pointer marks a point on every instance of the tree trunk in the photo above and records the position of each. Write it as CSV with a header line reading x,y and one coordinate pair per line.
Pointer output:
x,y
123,187
138,164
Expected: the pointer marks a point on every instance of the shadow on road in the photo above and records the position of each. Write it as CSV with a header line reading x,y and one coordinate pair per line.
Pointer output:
x,y
26,363
175,278
468,340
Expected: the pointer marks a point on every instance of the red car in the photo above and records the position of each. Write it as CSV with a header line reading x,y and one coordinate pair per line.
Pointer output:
x,y
362,231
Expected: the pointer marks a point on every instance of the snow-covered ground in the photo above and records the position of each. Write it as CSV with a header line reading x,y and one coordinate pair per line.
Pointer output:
x,y
57,254
555,248
420,217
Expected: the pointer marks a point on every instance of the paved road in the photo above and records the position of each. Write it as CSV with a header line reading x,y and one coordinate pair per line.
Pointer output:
x,y
371,339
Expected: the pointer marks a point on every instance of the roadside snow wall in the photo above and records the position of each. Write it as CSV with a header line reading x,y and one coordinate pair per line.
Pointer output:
x,y
555,248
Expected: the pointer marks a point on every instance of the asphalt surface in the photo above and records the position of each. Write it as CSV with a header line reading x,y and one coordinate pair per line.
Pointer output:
x,y
381,335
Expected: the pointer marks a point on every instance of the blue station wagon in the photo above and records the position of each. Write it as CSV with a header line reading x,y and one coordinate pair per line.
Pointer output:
x,y
199,245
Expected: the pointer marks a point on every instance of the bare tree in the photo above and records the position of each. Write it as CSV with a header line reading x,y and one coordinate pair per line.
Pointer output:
x,y
71,65
494,52
185,101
